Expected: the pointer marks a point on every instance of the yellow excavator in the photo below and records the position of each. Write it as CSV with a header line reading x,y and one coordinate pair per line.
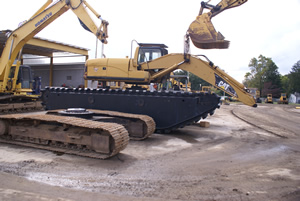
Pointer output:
x,y
16,88
152,63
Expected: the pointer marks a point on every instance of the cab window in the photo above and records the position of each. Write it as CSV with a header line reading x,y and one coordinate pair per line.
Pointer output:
x,y
12,72
147,54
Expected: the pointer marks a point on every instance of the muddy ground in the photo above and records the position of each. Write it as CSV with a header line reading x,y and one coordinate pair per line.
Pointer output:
x,y
246,154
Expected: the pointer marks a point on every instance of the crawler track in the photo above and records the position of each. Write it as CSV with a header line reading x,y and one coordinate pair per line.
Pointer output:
x,y
17,104
139,127
64,134
147,129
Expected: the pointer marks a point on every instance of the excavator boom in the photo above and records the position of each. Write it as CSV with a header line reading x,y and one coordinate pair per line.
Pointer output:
x,y
41,19
205,70
202,32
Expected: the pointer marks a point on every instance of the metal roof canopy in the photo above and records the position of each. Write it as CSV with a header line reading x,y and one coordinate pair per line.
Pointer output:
x,y
43,47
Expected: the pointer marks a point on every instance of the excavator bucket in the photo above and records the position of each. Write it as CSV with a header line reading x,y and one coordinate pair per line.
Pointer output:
x,y
204,35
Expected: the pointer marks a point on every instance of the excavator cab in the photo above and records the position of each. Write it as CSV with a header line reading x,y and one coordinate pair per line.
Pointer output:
x,y
25,82
150,51
202,31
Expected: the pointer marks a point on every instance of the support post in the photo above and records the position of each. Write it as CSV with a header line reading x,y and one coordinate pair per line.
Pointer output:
x,y
85,80
51,72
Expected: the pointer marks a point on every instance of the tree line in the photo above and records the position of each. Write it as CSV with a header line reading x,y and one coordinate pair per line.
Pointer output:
x,y
265,77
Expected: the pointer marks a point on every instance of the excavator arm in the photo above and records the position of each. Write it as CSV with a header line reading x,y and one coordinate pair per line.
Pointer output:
x,y
205,70
40,20
202,31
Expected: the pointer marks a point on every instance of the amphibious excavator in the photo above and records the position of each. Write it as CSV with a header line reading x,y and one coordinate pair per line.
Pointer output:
x,y
169,109
153,64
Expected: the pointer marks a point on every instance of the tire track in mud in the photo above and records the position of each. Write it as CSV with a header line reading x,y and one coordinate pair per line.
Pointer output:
x,y
256,125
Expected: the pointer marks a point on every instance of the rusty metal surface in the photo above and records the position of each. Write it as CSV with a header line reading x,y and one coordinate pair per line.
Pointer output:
x,y
118,133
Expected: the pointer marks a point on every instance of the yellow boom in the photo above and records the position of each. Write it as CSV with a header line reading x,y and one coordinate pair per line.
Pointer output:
x,y
42,18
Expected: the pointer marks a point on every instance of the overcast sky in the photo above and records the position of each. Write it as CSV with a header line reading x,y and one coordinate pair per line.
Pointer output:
x,y
267,27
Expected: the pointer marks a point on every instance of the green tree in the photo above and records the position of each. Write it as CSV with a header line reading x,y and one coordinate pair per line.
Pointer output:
x,y
295,78
255,77
285,83
247,79
271,73
262,70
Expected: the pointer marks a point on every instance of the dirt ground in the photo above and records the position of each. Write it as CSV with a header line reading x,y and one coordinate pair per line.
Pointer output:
x,y
246,154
